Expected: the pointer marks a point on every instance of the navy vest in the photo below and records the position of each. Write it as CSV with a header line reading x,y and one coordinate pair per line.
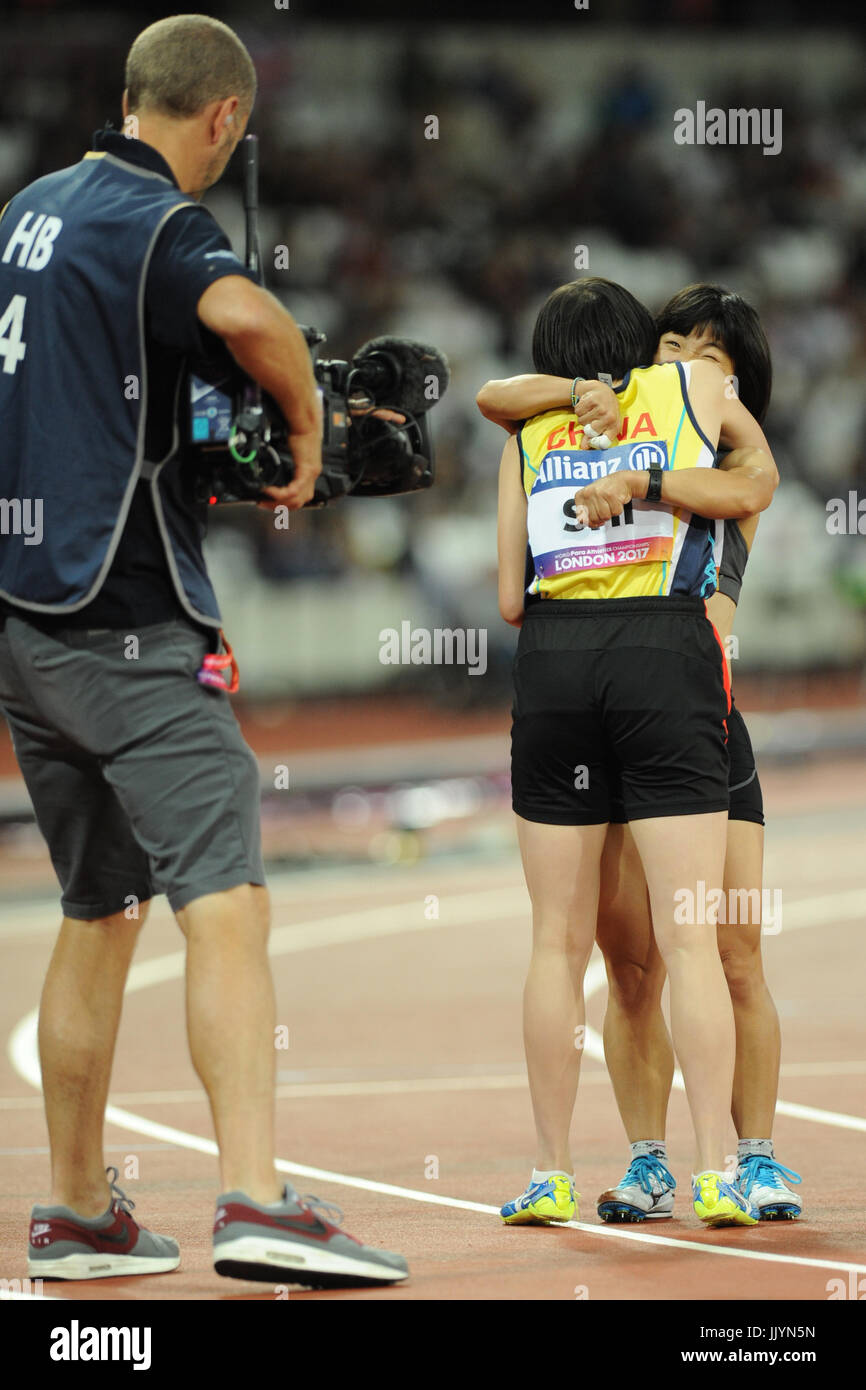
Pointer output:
x,y
74,253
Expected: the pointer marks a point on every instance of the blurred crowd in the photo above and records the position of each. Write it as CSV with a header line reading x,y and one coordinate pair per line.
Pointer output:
x,y
454,229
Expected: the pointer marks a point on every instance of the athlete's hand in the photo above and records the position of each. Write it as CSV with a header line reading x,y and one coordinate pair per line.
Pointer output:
x,y
381,412
601,500
598,407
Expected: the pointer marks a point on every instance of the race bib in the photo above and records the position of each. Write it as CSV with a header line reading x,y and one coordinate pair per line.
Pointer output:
x,y
561,545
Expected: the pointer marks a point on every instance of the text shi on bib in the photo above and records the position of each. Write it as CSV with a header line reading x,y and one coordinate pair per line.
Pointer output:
x,y
561,545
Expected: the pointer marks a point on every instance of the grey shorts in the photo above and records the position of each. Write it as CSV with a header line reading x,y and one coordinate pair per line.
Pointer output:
x,y
139,776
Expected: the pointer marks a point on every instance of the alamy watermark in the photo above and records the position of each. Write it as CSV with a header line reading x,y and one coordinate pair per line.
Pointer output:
x,y
734,906
21,1288
22,516
443,646
846,516
77,1343
737,126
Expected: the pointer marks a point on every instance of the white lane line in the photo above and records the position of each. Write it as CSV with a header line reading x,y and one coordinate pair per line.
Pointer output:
x,y
484,906
183,1140
846,1068
848,905
398,1086
35,918
836,1118
488,905
671,1243
821,1117
206,1146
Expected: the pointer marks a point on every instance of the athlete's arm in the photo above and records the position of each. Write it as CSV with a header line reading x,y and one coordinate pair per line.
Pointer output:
x,y
517,398
710,492
745,482
266,342
740,429
511,536
742,434
722,606
740,490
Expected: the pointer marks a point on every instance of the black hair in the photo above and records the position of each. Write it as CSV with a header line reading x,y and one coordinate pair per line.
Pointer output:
x,y
736,326
591,326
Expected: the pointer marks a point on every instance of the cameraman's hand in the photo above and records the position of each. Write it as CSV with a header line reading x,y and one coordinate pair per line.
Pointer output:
x,y
306,451
266,342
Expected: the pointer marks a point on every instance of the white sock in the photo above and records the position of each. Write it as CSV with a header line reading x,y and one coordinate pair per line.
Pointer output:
x,y
641,1147
745,1147
544,1176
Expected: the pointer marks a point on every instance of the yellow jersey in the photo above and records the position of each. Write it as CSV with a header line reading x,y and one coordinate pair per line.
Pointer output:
x,y
651,549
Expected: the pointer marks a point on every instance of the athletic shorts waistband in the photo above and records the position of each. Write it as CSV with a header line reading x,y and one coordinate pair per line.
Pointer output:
x,y
608,607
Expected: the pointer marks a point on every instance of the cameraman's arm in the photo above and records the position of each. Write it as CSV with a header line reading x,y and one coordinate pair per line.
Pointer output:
x,y
266,342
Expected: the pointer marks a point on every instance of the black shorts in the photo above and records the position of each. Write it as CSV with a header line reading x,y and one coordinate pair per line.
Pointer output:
x,y
618,700
139,776
747,801
744,786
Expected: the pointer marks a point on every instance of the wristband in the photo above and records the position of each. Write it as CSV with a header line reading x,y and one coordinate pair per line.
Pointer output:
x,y
654,491
574,396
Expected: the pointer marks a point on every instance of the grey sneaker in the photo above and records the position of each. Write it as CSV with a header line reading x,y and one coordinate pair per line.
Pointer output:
x,y
294,1242
64,1245
646,1193
759,1178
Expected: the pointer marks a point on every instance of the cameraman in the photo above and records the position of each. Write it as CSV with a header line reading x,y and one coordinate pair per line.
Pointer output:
x,y
111,277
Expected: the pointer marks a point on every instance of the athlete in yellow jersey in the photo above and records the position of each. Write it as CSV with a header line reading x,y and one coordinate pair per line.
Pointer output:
x,y
714,323
620,697
645,550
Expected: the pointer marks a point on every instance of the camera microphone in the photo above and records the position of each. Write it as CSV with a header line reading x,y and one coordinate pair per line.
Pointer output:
x,y
418,373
